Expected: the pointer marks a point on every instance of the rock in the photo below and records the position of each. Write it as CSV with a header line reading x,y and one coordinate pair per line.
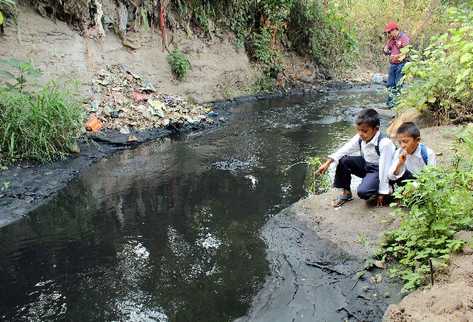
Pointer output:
x,y
421,119
148,87
379,264
125,130
132,139
465,235
378,78
73,148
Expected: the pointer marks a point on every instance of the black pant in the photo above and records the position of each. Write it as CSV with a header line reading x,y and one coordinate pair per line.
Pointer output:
x,y
401,181
356,165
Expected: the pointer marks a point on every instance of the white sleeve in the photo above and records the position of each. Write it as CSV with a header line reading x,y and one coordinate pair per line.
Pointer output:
x,y
385,159
432,158
348,148
393,167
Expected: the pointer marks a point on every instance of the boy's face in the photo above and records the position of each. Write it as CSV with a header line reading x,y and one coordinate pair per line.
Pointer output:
x,y
408,143
366,132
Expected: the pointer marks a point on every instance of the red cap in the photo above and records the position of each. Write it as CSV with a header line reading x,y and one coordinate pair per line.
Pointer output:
x,y
390,26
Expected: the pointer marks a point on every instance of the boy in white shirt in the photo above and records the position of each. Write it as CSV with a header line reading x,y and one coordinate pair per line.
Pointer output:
x,y
412,155
372,165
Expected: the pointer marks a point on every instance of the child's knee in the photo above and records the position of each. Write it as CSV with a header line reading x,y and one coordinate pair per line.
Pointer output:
x,y
365,193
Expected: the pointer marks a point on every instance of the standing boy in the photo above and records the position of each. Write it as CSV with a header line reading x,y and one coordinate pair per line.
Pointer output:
x,y
376,152
412,155
396,41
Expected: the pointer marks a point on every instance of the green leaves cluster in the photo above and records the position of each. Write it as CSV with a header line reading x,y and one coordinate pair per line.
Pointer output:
x,y
39,124
266,27
439,203
440,78
324,34
179,63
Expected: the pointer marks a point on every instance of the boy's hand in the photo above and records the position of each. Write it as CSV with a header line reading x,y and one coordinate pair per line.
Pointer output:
x,y
402,158
386,50
324,167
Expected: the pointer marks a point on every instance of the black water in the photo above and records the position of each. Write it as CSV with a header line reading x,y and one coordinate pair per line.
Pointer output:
x,y
170,231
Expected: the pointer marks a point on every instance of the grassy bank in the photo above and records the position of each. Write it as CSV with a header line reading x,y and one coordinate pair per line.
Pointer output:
x,y
36,123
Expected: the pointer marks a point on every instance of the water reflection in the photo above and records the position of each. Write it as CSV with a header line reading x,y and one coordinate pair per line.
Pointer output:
x,y
169,231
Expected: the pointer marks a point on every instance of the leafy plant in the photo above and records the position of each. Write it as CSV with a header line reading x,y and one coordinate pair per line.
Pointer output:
x,y
440,78
17,73
439,203
179,63
39,126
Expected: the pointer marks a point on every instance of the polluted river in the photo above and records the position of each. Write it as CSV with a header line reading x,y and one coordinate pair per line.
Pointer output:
x,y
194,229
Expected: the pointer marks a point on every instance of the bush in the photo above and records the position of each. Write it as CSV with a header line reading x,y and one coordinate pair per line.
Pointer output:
x,y
440,77
323,34
38,126
439,203
179,63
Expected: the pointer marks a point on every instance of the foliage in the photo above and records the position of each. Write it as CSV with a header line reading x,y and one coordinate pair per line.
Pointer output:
x,y
323,34
267,27
17,73
441,76
179,63
439,203
36,125
316,183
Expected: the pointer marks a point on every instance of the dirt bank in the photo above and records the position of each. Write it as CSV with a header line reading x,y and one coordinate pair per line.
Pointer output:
x,y
218,70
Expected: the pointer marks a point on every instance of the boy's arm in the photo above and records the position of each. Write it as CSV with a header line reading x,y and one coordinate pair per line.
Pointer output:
x,y
393,173
347,149
386,156
398,167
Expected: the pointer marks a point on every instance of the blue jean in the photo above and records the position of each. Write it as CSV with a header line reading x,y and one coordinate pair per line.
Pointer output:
x,y
356,165
394,77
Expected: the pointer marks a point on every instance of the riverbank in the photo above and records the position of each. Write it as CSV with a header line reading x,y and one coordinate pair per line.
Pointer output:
x,y
357,230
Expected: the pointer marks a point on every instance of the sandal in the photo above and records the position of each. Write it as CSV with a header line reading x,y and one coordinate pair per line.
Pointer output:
x,y
341,200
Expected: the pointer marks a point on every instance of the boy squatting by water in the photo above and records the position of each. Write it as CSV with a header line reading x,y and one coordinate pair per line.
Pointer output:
x,y
411,157
382,168
373,164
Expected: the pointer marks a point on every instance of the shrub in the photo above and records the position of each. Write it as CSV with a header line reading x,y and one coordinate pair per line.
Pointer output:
x,y
440,77
439,203
323,34
38,126
179,63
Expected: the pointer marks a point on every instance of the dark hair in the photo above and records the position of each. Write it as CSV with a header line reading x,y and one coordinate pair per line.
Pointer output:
x,y
369,117
409,128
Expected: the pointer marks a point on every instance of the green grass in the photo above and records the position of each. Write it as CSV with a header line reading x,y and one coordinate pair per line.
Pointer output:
x,y
38,126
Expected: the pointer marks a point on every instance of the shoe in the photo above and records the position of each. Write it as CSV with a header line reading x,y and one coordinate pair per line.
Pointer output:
x,y
341,200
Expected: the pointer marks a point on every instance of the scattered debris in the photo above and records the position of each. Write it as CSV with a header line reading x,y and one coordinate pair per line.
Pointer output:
x,y
93,124
125,102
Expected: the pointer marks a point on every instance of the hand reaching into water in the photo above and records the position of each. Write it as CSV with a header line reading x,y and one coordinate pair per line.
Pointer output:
x,y
324,167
